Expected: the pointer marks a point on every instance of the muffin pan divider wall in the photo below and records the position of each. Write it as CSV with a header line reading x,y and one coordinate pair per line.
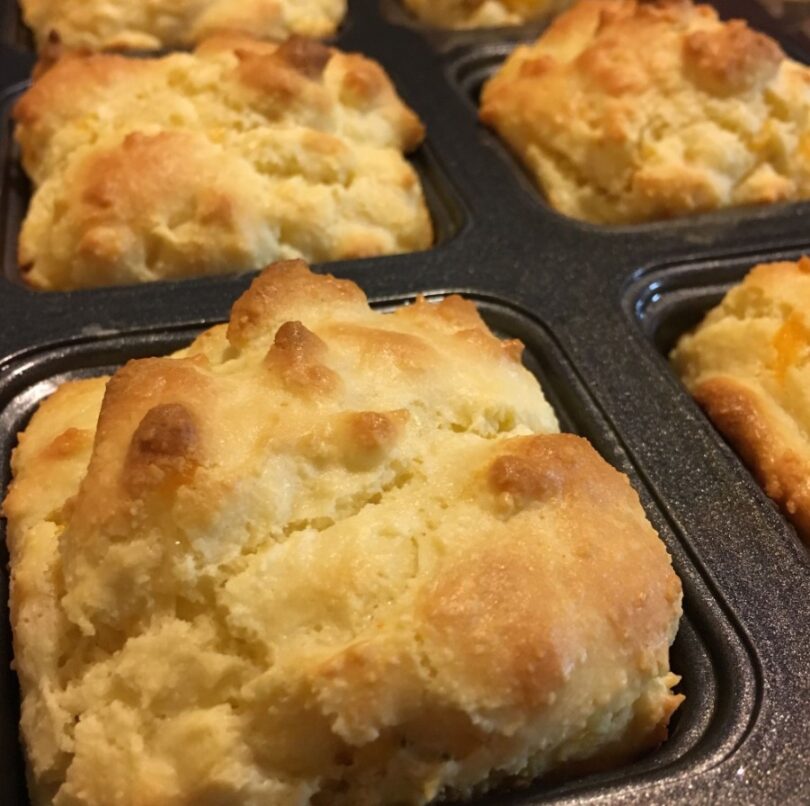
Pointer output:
x,y
594,306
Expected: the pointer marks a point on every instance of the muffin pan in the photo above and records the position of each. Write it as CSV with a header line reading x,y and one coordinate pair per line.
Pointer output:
x,y
597,309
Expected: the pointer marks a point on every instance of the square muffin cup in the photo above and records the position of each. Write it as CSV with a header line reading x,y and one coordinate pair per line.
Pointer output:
x,y
667,302
719,674
446,40
471,64
18,56
446,211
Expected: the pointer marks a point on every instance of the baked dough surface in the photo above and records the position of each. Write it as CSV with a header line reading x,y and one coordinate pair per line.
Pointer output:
x,y
482,13
748,365
628,111
223,160
157,24
327,555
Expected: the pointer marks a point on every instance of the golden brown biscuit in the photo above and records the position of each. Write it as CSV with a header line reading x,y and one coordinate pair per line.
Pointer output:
x,y
482,13
156,24
217,161
627,111
343,555
748,365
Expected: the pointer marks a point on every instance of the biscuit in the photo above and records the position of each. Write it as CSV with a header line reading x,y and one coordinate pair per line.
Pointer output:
x,y
149,25
344,555
482,13
748,365
626,111
218,161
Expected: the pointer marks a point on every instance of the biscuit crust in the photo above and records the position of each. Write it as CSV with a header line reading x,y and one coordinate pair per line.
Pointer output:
x,y
482,13
156,24
747,365
345,555
707,114
273,151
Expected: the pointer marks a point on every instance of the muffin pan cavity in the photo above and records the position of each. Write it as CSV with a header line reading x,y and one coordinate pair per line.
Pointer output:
x,y
719,673
443,203
471,64
667,302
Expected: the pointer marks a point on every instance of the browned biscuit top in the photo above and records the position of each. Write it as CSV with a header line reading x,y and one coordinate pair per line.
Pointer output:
x,y
147,25
274,151
482,13
628,111
341,553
